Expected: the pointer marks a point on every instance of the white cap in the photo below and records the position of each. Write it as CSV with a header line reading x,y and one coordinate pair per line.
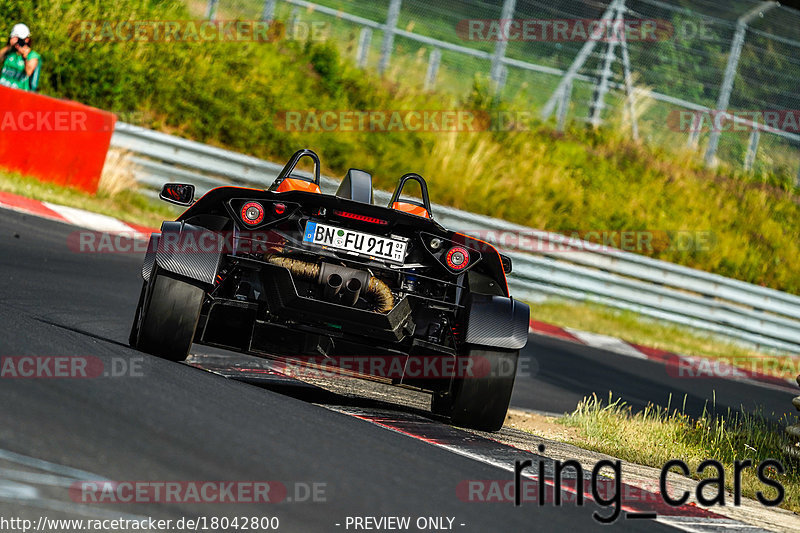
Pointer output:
x,y
20,31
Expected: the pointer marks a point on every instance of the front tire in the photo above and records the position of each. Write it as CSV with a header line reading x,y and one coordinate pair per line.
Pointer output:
x,y
480,401
167,319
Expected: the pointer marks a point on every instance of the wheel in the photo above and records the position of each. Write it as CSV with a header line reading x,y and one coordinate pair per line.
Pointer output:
x,y
480,401
167,318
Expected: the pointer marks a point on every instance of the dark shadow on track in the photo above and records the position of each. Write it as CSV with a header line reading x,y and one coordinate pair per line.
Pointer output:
x,y
255,371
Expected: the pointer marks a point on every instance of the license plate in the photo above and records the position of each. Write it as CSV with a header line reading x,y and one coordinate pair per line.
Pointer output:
x,y
355,241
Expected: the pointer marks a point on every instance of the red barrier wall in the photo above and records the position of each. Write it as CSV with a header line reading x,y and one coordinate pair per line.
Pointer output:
x,y
54,140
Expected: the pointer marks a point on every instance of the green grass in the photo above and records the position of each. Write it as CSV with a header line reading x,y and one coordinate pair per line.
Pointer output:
x,y
128,205
228,94
655,435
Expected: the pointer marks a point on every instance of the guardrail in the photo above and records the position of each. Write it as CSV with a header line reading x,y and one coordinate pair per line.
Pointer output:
x,y
566,268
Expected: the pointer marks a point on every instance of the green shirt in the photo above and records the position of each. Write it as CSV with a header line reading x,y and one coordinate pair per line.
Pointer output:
x,y
14,75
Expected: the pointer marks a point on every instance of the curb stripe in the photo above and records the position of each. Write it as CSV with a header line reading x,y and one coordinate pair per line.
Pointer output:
x,y
28,206
93,221
670,359
553,331
607,342
72,215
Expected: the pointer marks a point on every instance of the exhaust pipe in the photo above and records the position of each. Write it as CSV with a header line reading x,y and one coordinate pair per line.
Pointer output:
x,y
375,289
351,292
332,286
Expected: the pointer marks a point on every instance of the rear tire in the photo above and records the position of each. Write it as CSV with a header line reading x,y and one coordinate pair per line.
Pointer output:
x,y
480,401
167,319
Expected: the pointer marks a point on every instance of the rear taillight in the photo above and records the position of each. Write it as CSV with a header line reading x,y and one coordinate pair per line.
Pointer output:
x,y
252,213
457,258
360,218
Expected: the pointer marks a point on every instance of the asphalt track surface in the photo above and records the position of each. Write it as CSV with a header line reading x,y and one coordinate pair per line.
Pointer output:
x,y
175,422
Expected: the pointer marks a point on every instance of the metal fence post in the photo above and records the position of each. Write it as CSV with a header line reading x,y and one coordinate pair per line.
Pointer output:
x,y
563,107
730,72
797,179
364,40
211,9
578,62
602,88
268,13
503,76
752,148
608,61
694,132
496,73
626,70
388,34
433,68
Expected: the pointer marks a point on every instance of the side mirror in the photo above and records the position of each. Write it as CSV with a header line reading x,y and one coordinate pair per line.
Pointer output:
x,y
177,193
506,261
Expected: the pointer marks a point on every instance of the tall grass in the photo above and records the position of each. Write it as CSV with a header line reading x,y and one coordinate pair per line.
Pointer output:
x,y
117,174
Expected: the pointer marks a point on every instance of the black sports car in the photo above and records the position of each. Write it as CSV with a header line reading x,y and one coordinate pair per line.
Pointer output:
x,y
334,281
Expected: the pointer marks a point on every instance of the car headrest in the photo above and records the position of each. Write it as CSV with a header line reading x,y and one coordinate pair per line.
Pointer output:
x,y
357,186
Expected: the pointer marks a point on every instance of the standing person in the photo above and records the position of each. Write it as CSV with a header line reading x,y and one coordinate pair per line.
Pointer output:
x,y
20,62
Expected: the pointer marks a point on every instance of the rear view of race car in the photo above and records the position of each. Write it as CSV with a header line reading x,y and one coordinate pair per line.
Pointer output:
x,y
291,274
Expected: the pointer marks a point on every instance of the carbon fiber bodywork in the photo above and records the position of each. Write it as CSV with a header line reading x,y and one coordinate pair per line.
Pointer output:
x,y
150,256
497,321
196,264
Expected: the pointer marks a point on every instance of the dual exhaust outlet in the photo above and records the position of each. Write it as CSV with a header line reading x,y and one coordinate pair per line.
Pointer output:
x,y
348,293
342,285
